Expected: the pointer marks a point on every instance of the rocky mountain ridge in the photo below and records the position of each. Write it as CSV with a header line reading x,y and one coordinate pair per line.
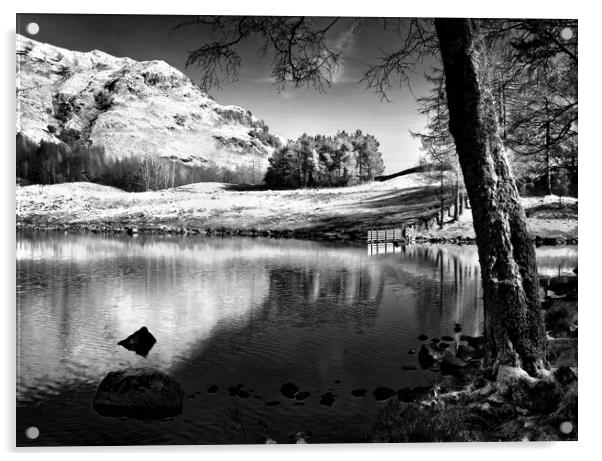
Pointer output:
x,y
131,108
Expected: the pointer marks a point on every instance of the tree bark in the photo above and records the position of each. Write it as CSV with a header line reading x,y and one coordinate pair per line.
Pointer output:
x,y
548,162
456,200
441,204
514,326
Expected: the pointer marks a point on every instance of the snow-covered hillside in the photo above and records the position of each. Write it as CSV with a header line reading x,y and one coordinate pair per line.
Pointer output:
x,y
130,108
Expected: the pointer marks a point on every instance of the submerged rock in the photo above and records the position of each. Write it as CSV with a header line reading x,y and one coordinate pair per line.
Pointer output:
x,y
327,399
358,392
383,393
302,395
423,337
449,339
141,393
289,390
212,389
141,342
234,390
273,403
238,391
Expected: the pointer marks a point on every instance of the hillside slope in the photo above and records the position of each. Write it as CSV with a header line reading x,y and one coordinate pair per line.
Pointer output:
x,y
131,108
332,212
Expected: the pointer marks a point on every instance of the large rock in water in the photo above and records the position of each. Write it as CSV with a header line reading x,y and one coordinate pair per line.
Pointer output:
x,y
141,342
141,393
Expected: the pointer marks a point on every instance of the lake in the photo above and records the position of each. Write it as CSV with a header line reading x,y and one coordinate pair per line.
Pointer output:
x,y
328,317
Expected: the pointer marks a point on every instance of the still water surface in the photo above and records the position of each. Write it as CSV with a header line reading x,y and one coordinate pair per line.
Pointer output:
x,y
257,312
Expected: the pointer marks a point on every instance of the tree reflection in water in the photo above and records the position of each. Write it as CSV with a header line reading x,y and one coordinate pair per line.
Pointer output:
x,y
257,312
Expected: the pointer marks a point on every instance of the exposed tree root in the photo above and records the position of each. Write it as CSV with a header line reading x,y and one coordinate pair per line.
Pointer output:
x,y
513,406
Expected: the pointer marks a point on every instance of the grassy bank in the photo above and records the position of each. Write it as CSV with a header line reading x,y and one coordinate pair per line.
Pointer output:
x,y
547,217
524,409
202,206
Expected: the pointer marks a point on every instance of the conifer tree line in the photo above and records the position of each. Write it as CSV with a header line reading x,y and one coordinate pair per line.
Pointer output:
x,y
534,88
325,161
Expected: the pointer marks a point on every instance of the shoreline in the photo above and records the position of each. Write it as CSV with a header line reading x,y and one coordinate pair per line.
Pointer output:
x,y
409,206
355,236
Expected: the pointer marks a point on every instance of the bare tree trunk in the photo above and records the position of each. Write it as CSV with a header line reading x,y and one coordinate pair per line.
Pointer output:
x,y
514,326
173,174
442,204
456,199
548,162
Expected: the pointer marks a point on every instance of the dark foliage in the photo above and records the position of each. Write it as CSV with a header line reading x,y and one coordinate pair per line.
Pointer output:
x,y
50,163
325,161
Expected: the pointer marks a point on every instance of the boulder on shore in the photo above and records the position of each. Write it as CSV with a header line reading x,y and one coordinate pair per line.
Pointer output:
x,y
140,393
141,342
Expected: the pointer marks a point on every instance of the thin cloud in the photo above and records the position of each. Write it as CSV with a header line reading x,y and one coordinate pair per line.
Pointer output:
x,y
344,46
287,94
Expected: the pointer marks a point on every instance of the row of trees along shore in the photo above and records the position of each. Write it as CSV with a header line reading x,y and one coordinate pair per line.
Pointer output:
x,y
325,161
310,161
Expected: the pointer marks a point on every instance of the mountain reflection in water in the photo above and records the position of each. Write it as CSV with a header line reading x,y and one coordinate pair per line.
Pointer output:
x,y
256,312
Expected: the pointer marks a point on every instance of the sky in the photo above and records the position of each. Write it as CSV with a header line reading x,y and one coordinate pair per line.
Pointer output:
x,y
347,105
